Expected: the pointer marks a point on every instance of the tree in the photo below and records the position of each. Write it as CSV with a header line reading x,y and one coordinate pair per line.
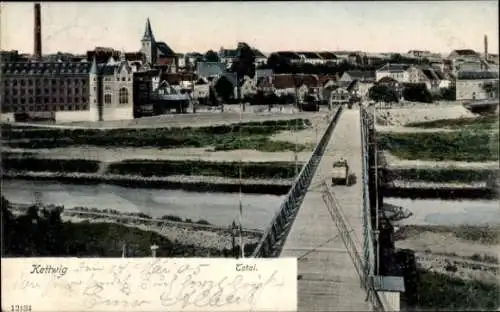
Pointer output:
x,y
244,65
211,56
383,93
417,93
224,88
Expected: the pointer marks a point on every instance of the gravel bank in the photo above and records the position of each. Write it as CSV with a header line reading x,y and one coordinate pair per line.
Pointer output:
x,y
394,162
399,116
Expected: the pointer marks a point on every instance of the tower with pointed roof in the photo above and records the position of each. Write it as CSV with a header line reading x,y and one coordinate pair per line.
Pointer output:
x,y
95,108
149,48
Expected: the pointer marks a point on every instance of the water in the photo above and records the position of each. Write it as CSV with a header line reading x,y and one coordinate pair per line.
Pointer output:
x,y
216,208
449,212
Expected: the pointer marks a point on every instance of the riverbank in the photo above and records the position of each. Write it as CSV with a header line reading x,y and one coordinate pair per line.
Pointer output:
x,y
185,232
186,183
421,190
457,266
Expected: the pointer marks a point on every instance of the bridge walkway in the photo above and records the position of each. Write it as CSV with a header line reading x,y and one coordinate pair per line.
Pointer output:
x,y
328,280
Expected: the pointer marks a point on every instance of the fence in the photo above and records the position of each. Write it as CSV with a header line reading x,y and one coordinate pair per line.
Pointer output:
x,y
273,239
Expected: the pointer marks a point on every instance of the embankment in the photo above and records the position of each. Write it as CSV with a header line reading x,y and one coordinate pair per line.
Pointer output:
x,y
256,177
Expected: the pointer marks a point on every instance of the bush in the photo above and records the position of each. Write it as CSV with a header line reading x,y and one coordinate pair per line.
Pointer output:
x,y
262,170
417,93
383,93
440,291
51,165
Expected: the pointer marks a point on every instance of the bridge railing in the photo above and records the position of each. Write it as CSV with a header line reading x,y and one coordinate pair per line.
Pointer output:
x,y
345,234
368,235
273,239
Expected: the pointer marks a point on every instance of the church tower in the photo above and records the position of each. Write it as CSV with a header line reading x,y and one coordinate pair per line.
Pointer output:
x,y
149,44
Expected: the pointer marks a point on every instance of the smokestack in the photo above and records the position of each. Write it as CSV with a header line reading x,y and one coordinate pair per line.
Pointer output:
x,y
486,47
38,32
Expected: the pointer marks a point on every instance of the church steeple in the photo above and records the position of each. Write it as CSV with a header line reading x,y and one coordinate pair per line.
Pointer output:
x,y
148,33
148,42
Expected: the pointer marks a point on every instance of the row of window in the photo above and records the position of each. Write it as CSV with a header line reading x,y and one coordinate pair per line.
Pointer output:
x,y
46,100
122,97
118,79
23,91
31,82
45,108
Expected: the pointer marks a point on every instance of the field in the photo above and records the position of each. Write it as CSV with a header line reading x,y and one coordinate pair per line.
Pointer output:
x,y
470,123
471,146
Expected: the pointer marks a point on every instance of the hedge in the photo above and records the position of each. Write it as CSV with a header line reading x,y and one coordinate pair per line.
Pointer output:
x,y
256,170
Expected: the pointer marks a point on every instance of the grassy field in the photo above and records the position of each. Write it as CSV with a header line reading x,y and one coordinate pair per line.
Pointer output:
x,y
256,170
250,135
489,235
148,168
441,292
450,175
458,146
473,123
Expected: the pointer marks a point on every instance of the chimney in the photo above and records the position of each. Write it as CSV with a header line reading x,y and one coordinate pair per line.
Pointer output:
x,y
38,32
486,47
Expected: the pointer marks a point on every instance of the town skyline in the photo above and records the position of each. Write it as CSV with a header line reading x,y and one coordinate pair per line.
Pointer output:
x,y
78,27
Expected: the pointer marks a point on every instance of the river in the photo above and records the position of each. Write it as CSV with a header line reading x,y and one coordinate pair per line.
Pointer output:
x,y
448,212
216,208
222,208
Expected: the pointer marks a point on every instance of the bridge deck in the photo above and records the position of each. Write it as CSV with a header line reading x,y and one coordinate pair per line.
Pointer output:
x,y
329,280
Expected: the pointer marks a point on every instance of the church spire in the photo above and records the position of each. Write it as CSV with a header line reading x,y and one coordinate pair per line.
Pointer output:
x,y
93,68
148,33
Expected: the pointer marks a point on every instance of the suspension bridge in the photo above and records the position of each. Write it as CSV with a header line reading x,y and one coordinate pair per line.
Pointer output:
x,y
334,230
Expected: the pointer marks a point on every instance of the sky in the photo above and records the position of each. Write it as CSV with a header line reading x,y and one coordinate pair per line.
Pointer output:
x,y
370,26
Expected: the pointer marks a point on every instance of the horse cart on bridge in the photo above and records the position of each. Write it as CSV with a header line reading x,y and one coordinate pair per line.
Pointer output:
x,y
340,172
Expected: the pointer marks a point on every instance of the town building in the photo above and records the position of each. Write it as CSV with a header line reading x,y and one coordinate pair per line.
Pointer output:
x,y
477,85
66,91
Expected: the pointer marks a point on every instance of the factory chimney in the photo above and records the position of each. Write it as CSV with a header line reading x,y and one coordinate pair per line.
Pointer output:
x,y
486,47
38,32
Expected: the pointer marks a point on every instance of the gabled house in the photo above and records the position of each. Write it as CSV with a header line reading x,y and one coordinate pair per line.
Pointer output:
x,y
210,70
398,72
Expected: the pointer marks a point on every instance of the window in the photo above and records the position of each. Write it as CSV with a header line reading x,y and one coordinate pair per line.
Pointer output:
x,y
123,78
107,99
61,107
123,96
